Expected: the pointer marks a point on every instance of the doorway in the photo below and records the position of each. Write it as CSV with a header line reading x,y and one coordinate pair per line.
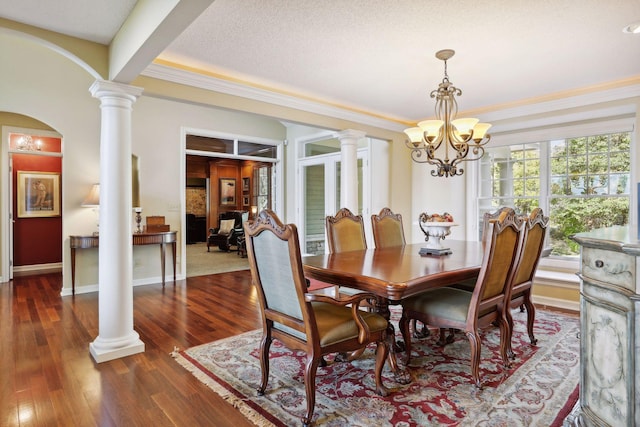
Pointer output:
x,y
33,205
320,196
250,168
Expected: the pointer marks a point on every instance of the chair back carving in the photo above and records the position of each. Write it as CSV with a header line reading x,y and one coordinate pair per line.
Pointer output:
x,y
487,218
345,232
387,229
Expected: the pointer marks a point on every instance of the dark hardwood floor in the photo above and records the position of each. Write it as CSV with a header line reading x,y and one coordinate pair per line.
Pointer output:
x,y
48,377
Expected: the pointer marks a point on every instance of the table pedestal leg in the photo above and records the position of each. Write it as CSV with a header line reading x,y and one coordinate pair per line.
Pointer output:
x,y
401,374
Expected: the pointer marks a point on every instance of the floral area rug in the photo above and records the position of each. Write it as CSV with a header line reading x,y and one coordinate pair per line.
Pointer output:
x,y
535,391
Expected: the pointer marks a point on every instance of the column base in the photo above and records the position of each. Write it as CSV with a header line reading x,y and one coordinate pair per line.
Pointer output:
x,y
104,350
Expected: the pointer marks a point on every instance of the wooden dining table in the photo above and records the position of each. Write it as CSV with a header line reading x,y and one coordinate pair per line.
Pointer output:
x,y
395,273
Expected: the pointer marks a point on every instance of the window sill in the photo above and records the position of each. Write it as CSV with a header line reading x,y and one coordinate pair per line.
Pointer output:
x,y
562,279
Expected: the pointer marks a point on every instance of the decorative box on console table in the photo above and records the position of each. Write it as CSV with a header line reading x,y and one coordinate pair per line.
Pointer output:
x,y
609,328
155,224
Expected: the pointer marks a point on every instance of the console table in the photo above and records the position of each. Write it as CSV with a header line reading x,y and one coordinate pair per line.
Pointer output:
x,y
159,238
610,328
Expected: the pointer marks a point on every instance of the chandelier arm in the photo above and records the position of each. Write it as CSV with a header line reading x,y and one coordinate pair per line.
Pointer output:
x,y
431,159
435,144
421,156
478,152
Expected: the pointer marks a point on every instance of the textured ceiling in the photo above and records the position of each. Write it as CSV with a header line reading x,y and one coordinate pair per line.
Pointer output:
x,y
377,56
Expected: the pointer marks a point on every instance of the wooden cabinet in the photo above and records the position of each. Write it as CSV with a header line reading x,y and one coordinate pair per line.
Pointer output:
x,y
609,328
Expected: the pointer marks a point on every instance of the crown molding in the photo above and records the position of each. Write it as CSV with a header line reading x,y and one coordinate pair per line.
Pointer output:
x,y
215,84
527,110
566,102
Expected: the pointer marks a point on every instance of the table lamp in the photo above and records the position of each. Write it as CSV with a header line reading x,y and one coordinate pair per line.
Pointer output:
x,y
93,201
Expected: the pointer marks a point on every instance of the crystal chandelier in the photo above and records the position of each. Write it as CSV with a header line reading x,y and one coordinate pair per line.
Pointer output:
x,y
455,136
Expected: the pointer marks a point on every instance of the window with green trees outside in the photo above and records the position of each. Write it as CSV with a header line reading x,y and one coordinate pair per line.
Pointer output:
x,y
582,183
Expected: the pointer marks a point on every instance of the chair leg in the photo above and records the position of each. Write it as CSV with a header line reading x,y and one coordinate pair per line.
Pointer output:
x,y
310,387
505,338
265,344
531,316
382,352
476,348
509,337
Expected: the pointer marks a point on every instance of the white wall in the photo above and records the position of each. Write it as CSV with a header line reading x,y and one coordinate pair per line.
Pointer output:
x,y
437,195
39,83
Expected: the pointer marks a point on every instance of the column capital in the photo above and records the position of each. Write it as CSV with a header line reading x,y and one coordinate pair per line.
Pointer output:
x,y
104,88
347,135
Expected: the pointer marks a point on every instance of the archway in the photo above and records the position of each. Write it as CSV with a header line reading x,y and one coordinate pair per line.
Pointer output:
x,y
32,152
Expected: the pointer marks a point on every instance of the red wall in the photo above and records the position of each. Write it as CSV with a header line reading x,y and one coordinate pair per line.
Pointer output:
x,y
36,240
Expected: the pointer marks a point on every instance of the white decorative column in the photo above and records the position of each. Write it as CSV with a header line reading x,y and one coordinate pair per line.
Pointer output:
x,y
349,160
116,337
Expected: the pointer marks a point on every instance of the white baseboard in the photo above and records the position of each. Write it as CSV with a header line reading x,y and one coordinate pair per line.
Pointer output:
x,y
556,303
30,270
85,289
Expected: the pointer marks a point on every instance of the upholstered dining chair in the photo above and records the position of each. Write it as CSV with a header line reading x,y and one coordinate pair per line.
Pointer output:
x,y
314,323
449,307
487,219
535,230
345,232
387,229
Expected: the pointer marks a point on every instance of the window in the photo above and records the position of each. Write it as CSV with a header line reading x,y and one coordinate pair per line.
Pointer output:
x,y
230,145
582,183
263,190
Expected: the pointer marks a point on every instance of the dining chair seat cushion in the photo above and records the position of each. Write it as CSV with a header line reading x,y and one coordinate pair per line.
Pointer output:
x,y
335,323
446,303
467,285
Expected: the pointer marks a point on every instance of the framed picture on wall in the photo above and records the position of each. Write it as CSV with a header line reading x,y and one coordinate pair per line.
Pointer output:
x,y
38,194
245,184
245,201
227,191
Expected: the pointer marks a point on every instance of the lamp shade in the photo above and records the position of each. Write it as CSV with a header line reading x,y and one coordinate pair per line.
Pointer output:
x,y
93,198
480,130
431,127
414,134
464,126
